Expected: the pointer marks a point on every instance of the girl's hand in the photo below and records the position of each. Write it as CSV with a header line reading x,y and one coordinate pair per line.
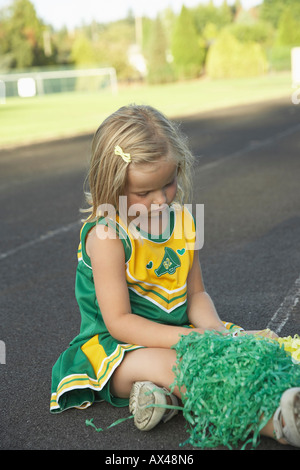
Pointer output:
x,y
217,329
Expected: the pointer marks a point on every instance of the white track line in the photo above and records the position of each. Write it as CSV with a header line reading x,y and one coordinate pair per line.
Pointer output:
x,y
42,238
277,322
251,146
283,313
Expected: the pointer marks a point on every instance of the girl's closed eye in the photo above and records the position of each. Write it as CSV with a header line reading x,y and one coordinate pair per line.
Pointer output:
x,y
146,193
171,183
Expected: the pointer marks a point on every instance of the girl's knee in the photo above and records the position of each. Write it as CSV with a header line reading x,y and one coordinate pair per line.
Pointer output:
x,y
147,364
161,363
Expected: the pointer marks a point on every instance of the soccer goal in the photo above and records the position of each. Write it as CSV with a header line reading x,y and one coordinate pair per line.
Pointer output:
x,y
58,81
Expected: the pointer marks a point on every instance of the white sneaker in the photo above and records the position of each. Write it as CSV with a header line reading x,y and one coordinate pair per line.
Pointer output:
x,y
289,412
142,396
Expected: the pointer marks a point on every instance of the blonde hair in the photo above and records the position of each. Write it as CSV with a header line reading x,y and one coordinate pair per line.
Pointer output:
x,y
147,135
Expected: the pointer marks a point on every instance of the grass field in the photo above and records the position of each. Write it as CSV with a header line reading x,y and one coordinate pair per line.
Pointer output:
x,y
26,120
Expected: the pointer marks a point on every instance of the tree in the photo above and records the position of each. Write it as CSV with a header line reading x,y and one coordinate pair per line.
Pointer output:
x,y
23,33
62,41
288,35
271,10
82,52
228,58
210,14
112,46
188,49
288,29
260,32
159,69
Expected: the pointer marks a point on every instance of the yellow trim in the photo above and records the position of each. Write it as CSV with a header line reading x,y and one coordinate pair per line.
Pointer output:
x,y
158,296
94,351
97,357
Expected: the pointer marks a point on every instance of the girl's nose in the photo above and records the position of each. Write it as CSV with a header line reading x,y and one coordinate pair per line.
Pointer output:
x,y
160,197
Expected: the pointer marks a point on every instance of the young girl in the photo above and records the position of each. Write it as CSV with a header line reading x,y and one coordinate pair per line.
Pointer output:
x,y
139,285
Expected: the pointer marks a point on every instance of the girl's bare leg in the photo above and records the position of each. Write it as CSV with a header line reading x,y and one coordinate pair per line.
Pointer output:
x,y
268,431
153,364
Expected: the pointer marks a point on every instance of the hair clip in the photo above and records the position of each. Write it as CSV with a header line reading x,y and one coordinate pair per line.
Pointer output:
x,y
125,156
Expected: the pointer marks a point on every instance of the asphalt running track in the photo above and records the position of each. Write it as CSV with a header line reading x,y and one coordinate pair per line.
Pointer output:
x,y
247,177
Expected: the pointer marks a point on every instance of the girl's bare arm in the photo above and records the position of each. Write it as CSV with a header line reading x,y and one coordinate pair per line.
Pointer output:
x,y
108,264
201,310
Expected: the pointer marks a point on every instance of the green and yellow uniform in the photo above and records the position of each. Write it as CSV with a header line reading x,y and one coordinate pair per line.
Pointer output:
x,y
156,270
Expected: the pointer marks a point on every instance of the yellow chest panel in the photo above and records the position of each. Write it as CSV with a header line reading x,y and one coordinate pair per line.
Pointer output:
x,y
157,270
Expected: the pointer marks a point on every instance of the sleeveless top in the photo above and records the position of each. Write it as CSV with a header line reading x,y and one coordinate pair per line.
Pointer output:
x,y
156,270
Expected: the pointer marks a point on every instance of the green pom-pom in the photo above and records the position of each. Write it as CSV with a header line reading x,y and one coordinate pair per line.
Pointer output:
x,y
231,386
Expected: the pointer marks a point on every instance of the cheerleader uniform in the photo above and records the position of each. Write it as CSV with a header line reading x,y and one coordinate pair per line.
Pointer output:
x,y
156,269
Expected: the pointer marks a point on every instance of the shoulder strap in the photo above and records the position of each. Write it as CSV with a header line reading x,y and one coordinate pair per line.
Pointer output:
x,y
121,234
81,253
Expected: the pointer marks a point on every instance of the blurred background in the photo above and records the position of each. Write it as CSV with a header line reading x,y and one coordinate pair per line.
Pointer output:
x,y
223,70
201,52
